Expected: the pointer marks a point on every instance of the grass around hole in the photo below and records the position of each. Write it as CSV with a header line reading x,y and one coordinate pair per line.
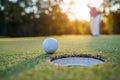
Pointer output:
x,y
24,59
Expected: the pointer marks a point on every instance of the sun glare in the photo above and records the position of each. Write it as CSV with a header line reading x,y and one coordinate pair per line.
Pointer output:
x,y
77,9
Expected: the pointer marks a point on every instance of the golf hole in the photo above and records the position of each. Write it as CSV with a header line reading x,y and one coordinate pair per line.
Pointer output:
x,y
77,60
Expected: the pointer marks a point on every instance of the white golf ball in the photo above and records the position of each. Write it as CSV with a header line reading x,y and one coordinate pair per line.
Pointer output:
x,y
50,45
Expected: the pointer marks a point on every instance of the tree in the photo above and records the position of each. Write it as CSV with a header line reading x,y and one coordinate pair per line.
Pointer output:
x,y
112,20
3,17
22,16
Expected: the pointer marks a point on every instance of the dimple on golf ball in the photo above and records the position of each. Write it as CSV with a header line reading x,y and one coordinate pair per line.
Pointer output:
x,y
50,45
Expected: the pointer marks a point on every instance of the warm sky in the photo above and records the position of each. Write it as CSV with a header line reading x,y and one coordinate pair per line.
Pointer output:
x,y
75,9
78,8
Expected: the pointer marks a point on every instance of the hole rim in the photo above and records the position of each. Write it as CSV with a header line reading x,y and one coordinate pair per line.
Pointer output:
x,y
99,57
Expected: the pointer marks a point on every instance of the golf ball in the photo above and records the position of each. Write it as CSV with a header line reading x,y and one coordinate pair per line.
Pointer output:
x,y
50,45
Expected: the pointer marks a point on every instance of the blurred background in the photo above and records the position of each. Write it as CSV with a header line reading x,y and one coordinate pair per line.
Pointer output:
x,y
20,18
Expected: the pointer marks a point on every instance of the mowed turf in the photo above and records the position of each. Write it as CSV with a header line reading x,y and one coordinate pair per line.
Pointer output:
x,y
24,59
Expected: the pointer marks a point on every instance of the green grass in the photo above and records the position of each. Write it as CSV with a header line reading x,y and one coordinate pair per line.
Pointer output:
x,y
24,59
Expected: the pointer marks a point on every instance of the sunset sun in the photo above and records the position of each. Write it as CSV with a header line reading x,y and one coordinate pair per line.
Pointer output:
x,y
77,9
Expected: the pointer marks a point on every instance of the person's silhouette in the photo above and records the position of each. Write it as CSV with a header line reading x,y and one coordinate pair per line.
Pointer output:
x,y
95,20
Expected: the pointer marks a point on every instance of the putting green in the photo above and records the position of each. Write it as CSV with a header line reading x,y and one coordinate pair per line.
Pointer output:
x,y
24,59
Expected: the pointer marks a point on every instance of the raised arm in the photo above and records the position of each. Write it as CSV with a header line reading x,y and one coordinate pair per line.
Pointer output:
x,y
88,5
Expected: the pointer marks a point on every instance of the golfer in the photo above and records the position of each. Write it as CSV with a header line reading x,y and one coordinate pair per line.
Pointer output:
x,y
95,20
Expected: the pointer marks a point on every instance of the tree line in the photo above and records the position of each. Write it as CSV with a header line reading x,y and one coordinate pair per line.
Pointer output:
x,y
45,17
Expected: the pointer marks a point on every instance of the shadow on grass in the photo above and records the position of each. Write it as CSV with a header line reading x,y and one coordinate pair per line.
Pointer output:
x,y
24,65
